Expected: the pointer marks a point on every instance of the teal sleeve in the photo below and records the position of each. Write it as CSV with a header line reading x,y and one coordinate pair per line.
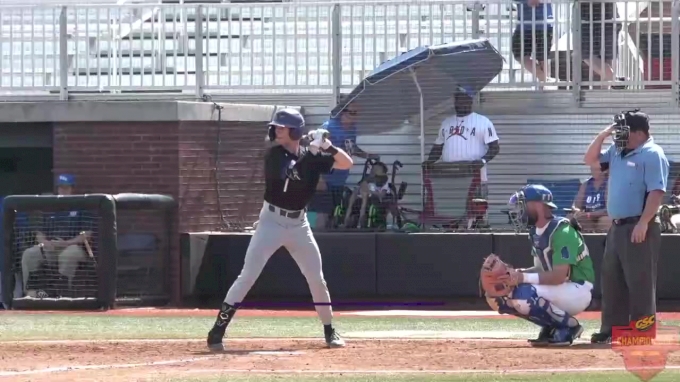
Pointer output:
x,y
565,245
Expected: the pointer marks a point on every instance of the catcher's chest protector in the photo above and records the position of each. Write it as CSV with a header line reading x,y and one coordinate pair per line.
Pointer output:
x,y
541,245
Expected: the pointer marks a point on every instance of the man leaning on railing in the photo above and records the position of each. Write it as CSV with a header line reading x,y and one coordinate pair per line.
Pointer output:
x,y
535,25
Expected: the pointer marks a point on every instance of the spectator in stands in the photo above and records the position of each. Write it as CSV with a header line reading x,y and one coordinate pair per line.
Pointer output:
x,y
343,134
590,205
535,26
59,242
466,142
599,37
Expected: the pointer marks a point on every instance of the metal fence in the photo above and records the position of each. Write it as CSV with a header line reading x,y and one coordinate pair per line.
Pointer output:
x,y
327,47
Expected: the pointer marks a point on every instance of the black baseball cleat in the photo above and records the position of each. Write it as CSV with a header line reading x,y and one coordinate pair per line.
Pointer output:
x,y
543,337
565,337
601,338
215,336
333,340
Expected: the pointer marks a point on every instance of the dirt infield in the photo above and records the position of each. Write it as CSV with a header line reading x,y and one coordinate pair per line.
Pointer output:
x,y
126,360
129,360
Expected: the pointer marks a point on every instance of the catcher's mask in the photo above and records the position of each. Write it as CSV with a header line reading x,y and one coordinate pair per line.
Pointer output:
x,y
520,216
622,130
517,211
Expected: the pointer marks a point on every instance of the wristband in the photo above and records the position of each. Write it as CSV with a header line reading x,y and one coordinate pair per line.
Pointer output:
x,y
331,150
531,278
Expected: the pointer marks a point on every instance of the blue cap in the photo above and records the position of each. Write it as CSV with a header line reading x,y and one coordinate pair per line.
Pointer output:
x,y
467,90
537,193
290,118
66,180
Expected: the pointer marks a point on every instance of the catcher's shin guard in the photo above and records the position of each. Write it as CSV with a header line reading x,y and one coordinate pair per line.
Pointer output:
x,y
539,310
504,305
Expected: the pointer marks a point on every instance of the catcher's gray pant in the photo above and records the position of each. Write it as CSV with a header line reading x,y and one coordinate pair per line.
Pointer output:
x,y
273,231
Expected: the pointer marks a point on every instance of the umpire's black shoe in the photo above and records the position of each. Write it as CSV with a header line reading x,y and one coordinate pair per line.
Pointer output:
x,y
543,337
601,338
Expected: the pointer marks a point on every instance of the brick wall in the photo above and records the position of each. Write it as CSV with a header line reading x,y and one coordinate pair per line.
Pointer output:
x,y
239,180
173,158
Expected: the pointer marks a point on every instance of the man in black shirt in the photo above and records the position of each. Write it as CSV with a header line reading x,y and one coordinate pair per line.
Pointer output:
x,y
291,175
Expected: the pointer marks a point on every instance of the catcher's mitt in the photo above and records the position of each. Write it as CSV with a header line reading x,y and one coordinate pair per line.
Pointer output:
x,y
494,277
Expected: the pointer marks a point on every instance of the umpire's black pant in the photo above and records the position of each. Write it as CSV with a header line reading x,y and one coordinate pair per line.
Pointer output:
x,y
629,274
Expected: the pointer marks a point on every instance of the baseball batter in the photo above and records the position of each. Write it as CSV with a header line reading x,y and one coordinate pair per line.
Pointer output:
x,y
468,137
559,285
291,175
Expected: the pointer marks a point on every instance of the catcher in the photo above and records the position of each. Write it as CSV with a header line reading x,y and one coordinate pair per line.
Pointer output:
x,y
558,286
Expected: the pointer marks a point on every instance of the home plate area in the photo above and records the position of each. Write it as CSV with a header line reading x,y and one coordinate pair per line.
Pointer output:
x,y
129,360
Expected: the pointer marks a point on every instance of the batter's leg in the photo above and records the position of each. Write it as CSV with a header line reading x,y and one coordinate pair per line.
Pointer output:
x,y
305,251
639,262
268,237
614,289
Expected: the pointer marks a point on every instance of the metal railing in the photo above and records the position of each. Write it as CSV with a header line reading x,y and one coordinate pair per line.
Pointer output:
x,y
328,47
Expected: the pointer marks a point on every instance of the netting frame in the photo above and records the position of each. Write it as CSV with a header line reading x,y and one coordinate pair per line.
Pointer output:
x,y
107,256
149,202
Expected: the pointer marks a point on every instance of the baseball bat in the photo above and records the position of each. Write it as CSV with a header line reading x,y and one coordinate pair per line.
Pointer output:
x,y
88,248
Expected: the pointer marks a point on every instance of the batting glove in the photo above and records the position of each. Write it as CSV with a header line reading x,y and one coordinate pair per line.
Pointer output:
x,y
319,140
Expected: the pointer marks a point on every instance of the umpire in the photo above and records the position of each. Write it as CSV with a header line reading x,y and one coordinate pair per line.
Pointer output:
x,y
638,176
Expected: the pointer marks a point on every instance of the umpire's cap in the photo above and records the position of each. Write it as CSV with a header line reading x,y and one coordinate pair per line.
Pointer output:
x,y
538,193
289,118
637,121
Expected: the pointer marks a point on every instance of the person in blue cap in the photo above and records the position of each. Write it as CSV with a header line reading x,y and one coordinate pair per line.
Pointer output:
x,y
59,241
559,285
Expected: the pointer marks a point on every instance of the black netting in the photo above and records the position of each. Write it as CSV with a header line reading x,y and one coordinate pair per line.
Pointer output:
x,y
143,255
55,254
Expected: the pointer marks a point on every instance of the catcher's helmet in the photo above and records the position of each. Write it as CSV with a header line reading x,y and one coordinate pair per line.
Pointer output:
x,y
517,212
290,118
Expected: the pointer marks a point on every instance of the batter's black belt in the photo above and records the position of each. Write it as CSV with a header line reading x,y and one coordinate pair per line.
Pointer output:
x,y
285,213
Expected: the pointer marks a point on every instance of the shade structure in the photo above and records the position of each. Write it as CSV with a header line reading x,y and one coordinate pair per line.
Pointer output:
x,y
423,77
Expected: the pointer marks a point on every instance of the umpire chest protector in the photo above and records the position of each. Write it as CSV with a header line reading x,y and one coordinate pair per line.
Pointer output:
x,y
541,245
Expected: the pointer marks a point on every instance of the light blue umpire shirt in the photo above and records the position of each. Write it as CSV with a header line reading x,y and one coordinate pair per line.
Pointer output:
x,y
633,176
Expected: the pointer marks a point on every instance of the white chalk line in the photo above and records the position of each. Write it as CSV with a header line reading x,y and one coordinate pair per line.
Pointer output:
x,y
100,367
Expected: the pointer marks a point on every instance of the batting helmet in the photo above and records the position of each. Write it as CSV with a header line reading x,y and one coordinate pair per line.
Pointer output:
x,y
290,118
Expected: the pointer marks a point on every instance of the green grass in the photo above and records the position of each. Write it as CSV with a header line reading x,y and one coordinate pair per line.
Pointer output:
x,y
69,327
666,376
85,327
